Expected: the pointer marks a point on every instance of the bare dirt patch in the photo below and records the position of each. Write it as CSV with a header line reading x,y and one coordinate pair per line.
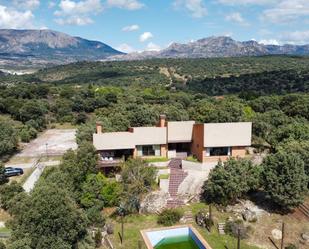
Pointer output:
x,y
54,141
268,221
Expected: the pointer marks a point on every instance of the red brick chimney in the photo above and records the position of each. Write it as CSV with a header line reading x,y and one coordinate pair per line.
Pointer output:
x,y
99,127
162,121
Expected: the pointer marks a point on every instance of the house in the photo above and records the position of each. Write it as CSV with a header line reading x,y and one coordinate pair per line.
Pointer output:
x,y
207,142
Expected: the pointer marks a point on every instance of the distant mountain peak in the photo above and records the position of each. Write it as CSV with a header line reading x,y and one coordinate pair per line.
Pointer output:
x,y
49,47
218,46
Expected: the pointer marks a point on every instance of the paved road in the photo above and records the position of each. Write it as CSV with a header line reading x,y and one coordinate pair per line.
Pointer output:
x,y
33,178
31,165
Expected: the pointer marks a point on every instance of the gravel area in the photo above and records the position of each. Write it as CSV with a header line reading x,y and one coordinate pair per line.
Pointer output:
x,y
54,141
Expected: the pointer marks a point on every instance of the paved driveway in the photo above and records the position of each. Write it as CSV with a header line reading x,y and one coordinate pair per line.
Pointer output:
x,y
197,175
54,141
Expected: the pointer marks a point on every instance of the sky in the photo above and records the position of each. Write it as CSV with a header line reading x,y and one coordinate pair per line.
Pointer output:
x,y
136,25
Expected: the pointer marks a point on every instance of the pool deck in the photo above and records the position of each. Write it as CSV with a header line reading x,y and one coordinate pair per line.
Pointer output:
x,y
197,234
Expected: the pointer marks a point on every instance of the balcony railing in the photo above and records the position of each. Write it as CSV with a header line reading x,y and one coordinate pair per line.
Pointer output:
x,y
111,162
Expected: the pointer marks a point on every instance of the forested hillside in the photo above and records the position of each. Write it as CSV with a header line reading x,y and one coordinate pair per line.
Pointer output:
x,y
217,76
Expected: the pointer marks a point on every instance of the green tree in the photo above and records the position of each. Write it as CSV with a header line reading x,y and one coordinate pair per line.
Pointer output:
x,y
284,179
3,178
8,138
27,133
100,191
231,180
53,220
32,110
24,243
137,178
7,193
77,165
299,147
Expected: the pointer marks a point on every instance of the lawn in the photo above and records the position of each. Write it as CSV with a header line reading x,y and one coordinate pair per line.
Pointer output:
x,y
134,223
155,159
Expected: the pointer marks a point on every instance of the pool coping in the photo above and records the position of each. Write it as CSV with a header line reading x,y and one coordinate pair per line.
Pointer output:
x,y
194,230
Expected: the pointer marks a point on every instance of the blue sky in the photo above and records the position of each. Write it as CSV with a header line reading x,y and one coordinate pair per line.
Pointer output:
x,y
135,25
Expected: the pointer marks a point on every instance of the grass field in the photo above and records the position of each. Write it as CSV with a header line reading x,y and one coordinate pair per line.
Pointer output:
x,y
134,223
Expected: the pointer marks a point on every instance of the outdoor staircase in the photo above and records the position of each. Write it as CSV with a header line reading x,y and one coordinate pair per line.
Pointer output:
x,y
221,228
304,209
188,217
177,175
175,163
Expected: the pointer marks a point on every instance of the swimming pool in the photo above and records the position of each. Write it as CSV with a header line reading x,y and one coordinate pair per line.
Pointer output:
x,y
178,237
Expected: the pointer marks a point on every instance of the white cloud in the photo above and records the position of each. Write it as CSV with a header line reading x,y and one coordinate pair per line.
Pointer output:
x,y
125,48
74,20
145,36
126,4
269,42
77,13
286,11
152,47
296,37
130,28
247,2
13,19
51,4
236,17
69,7
195,7
26,4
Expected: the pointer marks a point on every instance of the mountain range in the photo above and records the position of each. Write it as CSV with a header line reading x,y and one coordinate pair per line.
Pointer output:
x,y
217,46
40,48
44,47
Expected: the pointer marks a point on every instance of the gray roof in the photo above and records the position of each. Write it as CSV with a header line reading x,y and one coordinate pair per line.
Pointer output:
x,y
128,140
227,134
149,135
180,131
114,141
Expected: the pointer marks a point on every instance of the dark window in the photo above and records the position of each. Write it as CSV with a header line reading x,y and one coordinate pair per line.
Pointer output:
x,y
219,151
148,150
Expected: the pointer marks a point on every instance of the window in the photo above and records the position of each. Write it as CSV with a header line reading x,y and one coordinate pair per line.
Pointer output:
x,y
218,151
148,150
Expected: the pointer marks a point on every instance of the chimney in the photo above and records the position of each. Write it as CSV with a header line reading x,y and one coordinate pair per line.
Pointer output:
x,y
99,127
162,121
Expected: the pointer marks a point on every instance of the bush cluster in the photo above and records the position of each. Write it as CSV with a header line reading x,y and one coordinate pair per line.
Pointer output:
x,y
169,217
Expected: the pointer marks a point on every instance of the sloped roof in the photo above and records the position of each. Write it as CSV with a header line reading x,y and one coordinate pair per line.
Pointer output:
x,y
180,131
149,135
227,134
114,141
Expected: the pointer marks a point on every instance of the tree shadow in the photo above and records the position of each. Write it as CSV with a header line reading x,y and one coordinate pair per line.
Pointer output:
x,y
263,201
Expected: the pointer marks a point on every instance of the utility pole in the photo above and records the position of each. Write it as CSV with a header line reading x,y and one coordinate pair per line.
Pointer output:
x,y
238,239
282,237
210,217
122,229
46,149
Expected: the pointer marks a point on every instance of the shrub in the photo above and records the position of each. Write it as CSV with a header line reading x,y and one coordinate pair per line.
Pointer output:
x,y
2,245
291,246
169,217
95,216
98,238
27,133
